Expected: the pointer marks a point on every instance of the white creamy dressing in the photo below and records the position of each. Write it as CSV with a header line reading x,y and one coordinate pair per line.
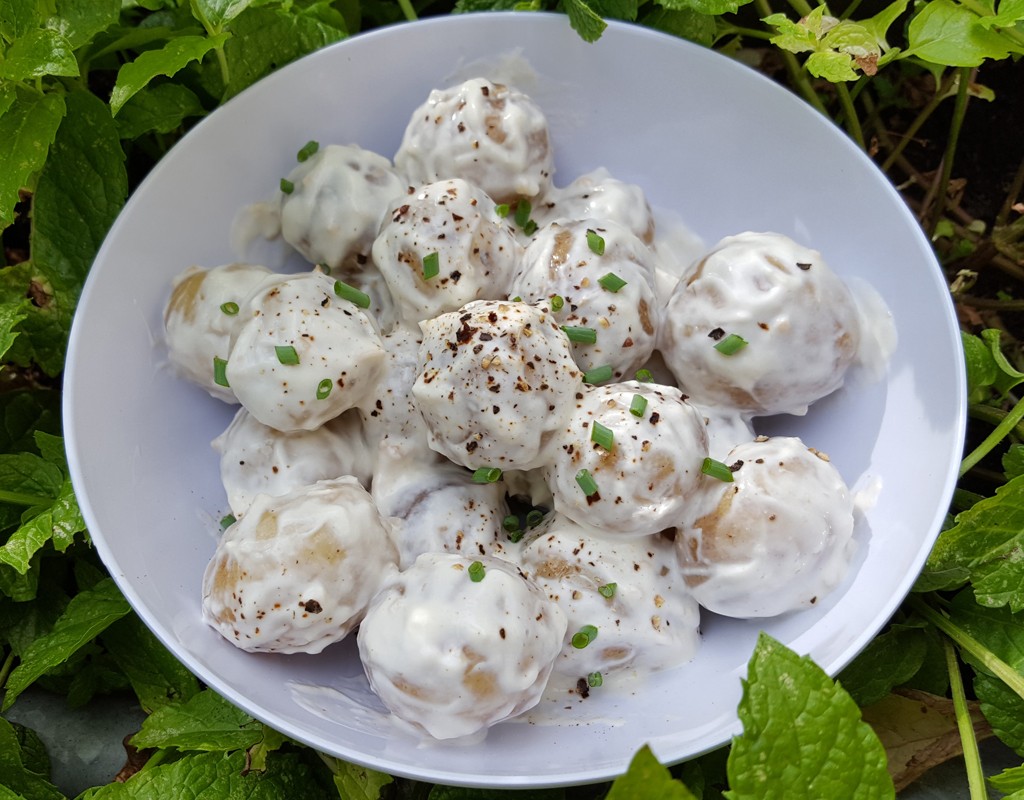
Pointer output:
x,y
442,374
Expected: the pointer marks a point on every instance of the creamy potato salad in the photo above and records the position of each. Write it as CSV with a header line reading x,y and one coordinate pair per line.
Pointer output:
x,y
450,441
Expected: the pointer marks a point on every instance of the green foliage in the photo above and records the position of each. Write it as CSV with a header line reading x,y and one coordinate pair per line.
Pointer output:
x,y
649,779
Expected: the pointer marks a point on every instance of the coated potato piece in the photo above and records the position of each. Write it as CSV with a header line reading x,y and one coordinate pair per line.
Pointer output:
x,y
651,472
486,133
303,355
454,224
775,539
597,195
798,318
452,648
202,316
496,381
630,591
298,571
337,202
610,292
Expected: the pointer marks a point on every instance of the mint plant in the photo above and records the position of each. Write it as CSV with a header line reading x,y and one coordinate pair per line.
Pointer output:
x,y
92,94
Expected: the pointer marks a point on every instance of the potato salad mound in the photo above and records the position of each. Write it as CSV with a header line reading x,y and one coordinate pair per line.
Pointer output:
x,y
502,430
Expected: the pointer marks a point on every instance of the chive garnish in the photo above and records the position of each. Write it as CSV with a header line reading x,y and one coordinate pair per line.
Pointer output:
x,y
286,354
595,242
587,483
580,334
227,521
287,186
431,265
584,636
517,299
510,523
598,374
487,475
594,680
600,435
523,209
716,469
644,376
477,571
607,590
324,267
731,344
530,227
534,518
220,371
638,406
557,302
352,294
611,282
502,210
308,149
323,389
229,308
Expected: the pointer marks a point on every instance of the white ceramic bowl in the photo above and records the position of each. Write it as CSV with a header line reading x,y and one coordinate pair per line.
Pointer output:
x,y
714,141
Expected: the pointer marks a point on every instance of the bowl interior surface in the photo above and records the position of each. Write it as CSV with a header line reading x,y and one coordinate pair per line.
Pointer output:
x,y
708,139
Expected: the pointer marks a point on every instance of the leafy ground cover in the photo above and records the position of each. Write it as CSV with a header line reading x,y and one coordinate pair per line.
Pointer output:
x,y
93,92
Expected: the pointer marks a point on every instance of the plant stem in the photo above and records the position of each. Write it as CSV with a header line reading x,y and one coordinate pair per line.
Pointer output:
x,y
993,416
986,302
797,74
1007,674
972,758
801,7
919,120
1011,196
959,110
408,10
5,670
850,114
222,60
23,499
1002,430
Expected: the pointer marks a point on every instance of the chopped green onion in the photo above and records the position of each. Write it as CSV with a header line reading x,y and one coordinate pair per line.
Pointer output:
x,y
580,334
229,308
287,186
487,475
584,636
586,482
607,590
644,376
731,344
220,371
477,571
352,294
286,355
602,436
323,389
611,282
227,521
638,406
517,299
557,302
523,209
594,680
502,210
598,374
324,267
716,469
595,242
431,265
510,523
308,149
534,518
530,227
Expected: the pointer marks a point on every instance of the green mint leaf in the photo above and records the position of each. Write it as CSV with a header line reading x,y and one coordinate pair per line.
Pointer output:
x,y
39,53
18,17
214,14
28,480
205,721
890,660
355,782
1007,376
27,129
66,520
1009,14
23,623
879,24
467,6
440,792
156,676
33,751
792,36
17,586
1003,708
802,734
585,20
23,413
997,629
1009,780
617,9
97,675
647,778
26,541
51,447
79,193
1013,461
948,33
981,367
271,742
987,541
709,7
79,21
157,109
832,66
87,615
268,37
684,23
167,60
10,315
17,778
